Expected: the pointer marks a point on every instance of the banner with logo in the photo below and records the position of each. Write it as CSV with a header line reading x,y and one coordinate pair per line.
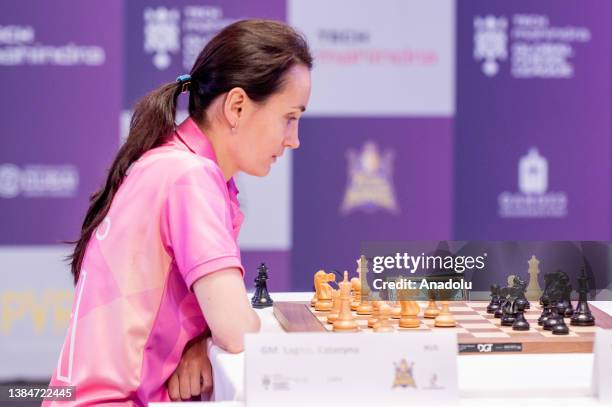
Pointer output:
x,y
376,152
532,140
379,59
61,94
367,179
164,37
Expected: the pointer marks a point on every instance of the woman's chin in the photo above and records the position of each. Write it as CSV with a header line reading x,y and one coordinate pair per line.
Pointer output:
x,y
261,171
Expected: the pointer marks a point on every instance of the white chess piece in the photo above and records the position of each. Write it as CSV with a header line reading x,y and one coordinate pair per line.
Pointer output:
x,y
534,292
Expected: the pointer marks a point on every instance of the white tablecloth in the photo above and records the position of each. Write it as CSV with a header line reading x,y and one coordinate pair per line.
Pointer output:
x,y
484,380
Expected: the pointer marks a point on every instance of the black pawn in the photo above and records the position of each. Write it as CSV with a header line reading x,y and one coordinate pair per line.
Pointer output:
x,y
261,298
522,302
520,323
500,311
569,309
509,314
569,312
545,313
553,319
560,328
493,305
582,315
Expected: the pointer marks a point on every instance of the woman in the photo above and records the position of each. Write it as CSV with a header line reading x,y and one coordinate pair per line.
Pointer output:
x,y
157,265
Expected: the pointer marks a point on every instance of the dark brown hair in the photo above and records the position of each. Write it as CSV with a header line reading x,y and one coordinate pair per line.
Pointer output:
x,y
251,54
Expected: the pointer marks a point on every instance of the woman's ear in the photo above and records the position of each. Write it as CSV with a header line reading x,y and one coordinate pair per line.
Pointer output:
x,y
234,105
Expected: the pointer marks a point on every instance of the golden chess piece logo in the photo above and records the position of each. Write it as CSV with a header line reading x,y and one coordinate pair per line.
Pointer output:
x,y
370,181
404,375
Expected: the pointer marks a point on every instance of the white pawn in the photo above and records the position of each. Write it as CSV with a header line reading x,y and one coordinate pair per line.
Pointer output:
x,y
384,324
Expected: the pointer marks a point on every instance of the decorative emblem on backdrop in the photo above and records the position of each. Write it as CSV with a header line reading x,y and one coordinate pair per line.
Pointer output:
x,y
370,184
490,42
38,181
161,34
533,200
533,173
9,181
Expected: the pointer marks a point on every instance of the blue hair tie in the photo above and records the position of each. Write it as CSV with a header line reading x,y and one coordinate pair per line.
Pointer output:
x,y
184,81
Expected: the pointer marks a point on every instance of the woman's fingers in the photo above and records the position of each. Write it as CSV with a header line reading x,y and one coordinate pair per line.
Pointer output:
x,y
173,387
207,378
185,385
194,378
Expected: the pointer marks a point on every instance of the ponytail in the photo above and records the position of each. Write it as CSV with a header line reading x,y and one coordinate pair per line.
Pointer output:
x,y
151,125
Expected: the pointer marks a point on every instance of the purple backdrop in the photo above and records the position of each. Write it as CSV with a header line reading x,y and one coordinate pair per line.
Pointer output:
x,y
59,111
323,238
499,118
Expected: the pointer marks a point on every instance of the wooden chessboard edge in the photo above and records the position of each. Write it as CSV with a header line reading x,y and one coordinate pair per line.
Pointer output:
x,y
296,317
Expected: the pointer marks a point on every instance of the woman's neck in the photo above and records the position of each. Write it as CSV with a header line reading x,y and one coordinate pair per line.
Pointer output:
x,y
218,136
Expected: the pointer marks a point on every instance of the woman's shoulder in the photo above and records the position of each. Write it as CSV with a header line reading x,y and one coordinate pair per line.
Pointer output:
x,y
171,163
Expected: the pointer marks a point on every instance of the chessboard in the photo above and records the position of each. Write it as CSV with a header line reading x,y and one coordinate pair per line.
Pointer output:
x,y
477,331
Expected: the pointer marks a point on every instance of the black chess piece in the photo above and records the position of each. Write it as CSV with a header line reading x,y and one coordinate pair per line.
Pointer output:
x,y
545,298
503,298
560,328
499,312
551,282
566,292
261,298
569,308
582,314
545,302
523,303
509,314
520,323
494,304
557,290
546,313
520,288
553,319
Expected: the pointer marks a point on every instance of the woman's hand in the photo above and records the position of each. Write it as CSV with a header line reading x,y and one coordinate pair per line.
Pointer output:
x,y
193,375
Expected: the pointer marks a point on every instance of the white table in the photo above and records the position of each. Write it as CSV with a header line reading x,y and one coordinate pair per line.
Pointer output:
x,y
492,380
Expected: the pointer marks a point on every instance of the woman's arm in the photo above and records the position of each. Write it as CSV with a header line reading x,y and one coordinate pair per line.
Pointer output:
x,y
224,303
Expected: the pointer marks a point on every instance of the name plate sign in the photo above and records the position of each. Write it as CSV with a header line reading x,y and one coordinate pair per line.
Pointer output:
x,y
602,374
350,368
